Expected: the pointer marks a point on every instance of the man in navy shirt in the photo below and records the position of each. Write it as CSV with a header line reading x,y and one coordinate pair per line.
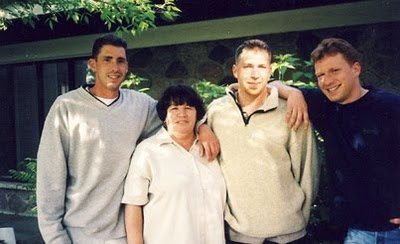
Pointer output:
x,y
361,131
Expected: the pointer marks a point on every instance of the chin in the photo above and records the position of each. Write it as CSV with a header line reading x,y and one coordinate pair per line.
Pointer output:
x,y
334,99
113,86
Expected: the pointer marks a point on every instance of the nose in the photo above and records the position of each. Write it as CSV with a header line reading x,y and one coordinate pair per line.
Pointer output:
x,y
114,66
255,73
326,80
182,112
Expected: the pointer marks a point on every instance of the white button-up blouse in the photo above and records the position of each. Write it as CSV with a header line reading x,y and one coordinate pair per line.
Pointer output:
x,y
183,195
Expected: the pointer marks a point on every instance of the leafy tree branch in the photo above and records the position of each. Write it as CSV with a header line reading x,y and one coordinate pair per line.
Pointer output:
x,y
132,16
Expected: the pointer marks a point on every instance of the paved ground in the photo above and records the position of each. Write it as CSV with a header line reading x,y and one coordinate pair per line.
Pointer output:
x,y
25,228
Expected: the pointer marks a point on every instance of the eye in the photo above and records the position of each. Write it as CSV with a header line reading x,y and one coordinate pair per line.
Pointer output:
x,y
335,71
121,61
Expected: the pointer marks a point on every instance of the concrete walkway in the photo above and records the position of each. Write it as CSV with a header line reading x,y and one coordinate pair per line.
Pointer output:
x,y
25,228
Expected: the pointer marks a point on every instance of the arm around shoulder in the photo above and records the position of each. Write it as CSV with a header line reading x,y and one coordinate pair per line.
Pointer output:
x,y
209,144
297,110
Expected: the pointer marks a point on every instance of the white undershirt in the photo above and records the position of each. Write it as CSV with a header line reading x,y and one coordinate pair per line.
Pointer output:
x,y
106,101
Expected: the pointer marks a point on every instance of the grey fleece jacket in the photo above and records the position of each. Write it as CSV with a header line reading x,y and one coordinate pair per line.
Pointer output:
x,y
83,159
271,171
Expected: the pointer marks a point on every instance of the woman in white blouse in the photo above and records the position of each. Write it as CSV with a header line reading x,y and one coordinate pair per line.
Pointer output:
x,y
172,194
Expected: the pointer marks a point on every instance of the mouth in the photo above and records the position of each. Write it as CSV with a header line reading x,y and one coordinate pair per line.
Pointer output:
x,y
253,84
182,122
333,89
114,76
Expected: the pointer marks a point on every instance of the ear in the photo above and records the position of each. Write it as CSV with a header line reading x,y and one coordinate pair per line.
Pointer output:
x,y
269,71
356,67
234,70
92,64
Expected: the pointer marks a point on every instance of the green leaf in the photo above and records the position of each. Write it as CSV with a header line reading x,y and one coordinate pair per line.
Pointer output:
x,y
86,19
143,26
296,75
31,23
75,17
167,15
309,75
173,8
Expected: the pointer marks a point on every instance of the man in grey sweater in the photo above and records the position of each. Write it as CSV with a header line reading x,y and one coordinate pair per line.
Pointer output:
x,y
88,138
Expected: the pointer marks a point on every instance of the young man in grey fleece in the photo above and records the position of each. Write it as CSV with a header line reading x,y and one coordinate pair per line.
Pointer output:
x,y
271,172
88,138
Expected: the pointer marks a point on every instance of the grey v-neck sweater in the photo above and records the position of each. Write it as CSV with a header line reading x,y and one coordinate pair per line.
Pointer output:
x,y
83,159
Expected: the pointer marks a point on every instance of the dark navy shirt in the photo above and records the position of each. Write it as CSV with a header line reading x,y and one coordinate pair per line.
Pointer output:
x,y
362,142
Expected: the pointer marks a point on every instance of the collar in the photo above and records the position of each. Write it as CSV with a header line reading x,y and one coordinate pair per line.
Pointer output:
x,y
272,101
106,101
162,137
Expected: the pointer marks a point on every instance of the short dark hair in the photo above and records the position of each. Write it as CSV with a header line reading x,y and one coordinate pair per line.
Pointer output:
x,y
332,46
252,44
109,39
179,95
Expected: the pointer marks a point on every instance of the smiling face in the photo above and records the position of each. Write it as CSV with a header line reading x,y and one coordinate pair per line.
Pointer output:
x,y
181,119
252,71
110,67
338,79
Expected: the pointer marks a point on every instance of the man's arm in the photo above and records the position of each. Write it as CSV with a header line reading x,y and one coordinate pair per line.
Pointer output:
x,y
52,178
297,111
134,224
153,122
209,142
306,169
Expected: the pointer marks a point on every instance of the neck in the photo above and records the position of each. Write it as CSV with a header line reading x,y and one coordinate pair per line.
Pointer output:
x,y
184,140
250,103
359,92
96,91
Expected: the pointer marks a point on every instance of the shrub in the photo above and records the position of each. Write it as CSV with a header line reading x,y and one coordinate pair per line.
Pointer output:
x,y
27,174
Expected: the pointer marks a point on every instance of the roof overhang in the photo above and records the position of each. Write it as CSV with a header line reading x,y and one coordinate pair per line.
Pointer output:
x,y
349,14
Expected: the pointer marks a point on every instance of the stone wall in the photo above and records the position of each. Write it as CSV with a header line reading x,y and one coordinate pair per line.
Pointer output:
x,y
14,199
189,63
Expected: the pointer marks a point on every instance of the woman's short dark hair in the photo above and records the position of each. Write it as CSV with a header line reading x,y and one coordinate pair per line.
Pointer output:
x,y
179,95
332,46
109,39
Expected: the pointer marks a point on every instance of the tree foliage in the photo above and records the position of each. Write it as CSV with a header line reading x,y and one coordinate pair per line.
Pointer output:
x,y
132,16
208,91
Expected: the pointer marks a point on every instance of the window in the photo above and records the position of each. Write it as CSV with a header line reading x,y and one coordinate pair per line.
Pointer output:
x,y
27,93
